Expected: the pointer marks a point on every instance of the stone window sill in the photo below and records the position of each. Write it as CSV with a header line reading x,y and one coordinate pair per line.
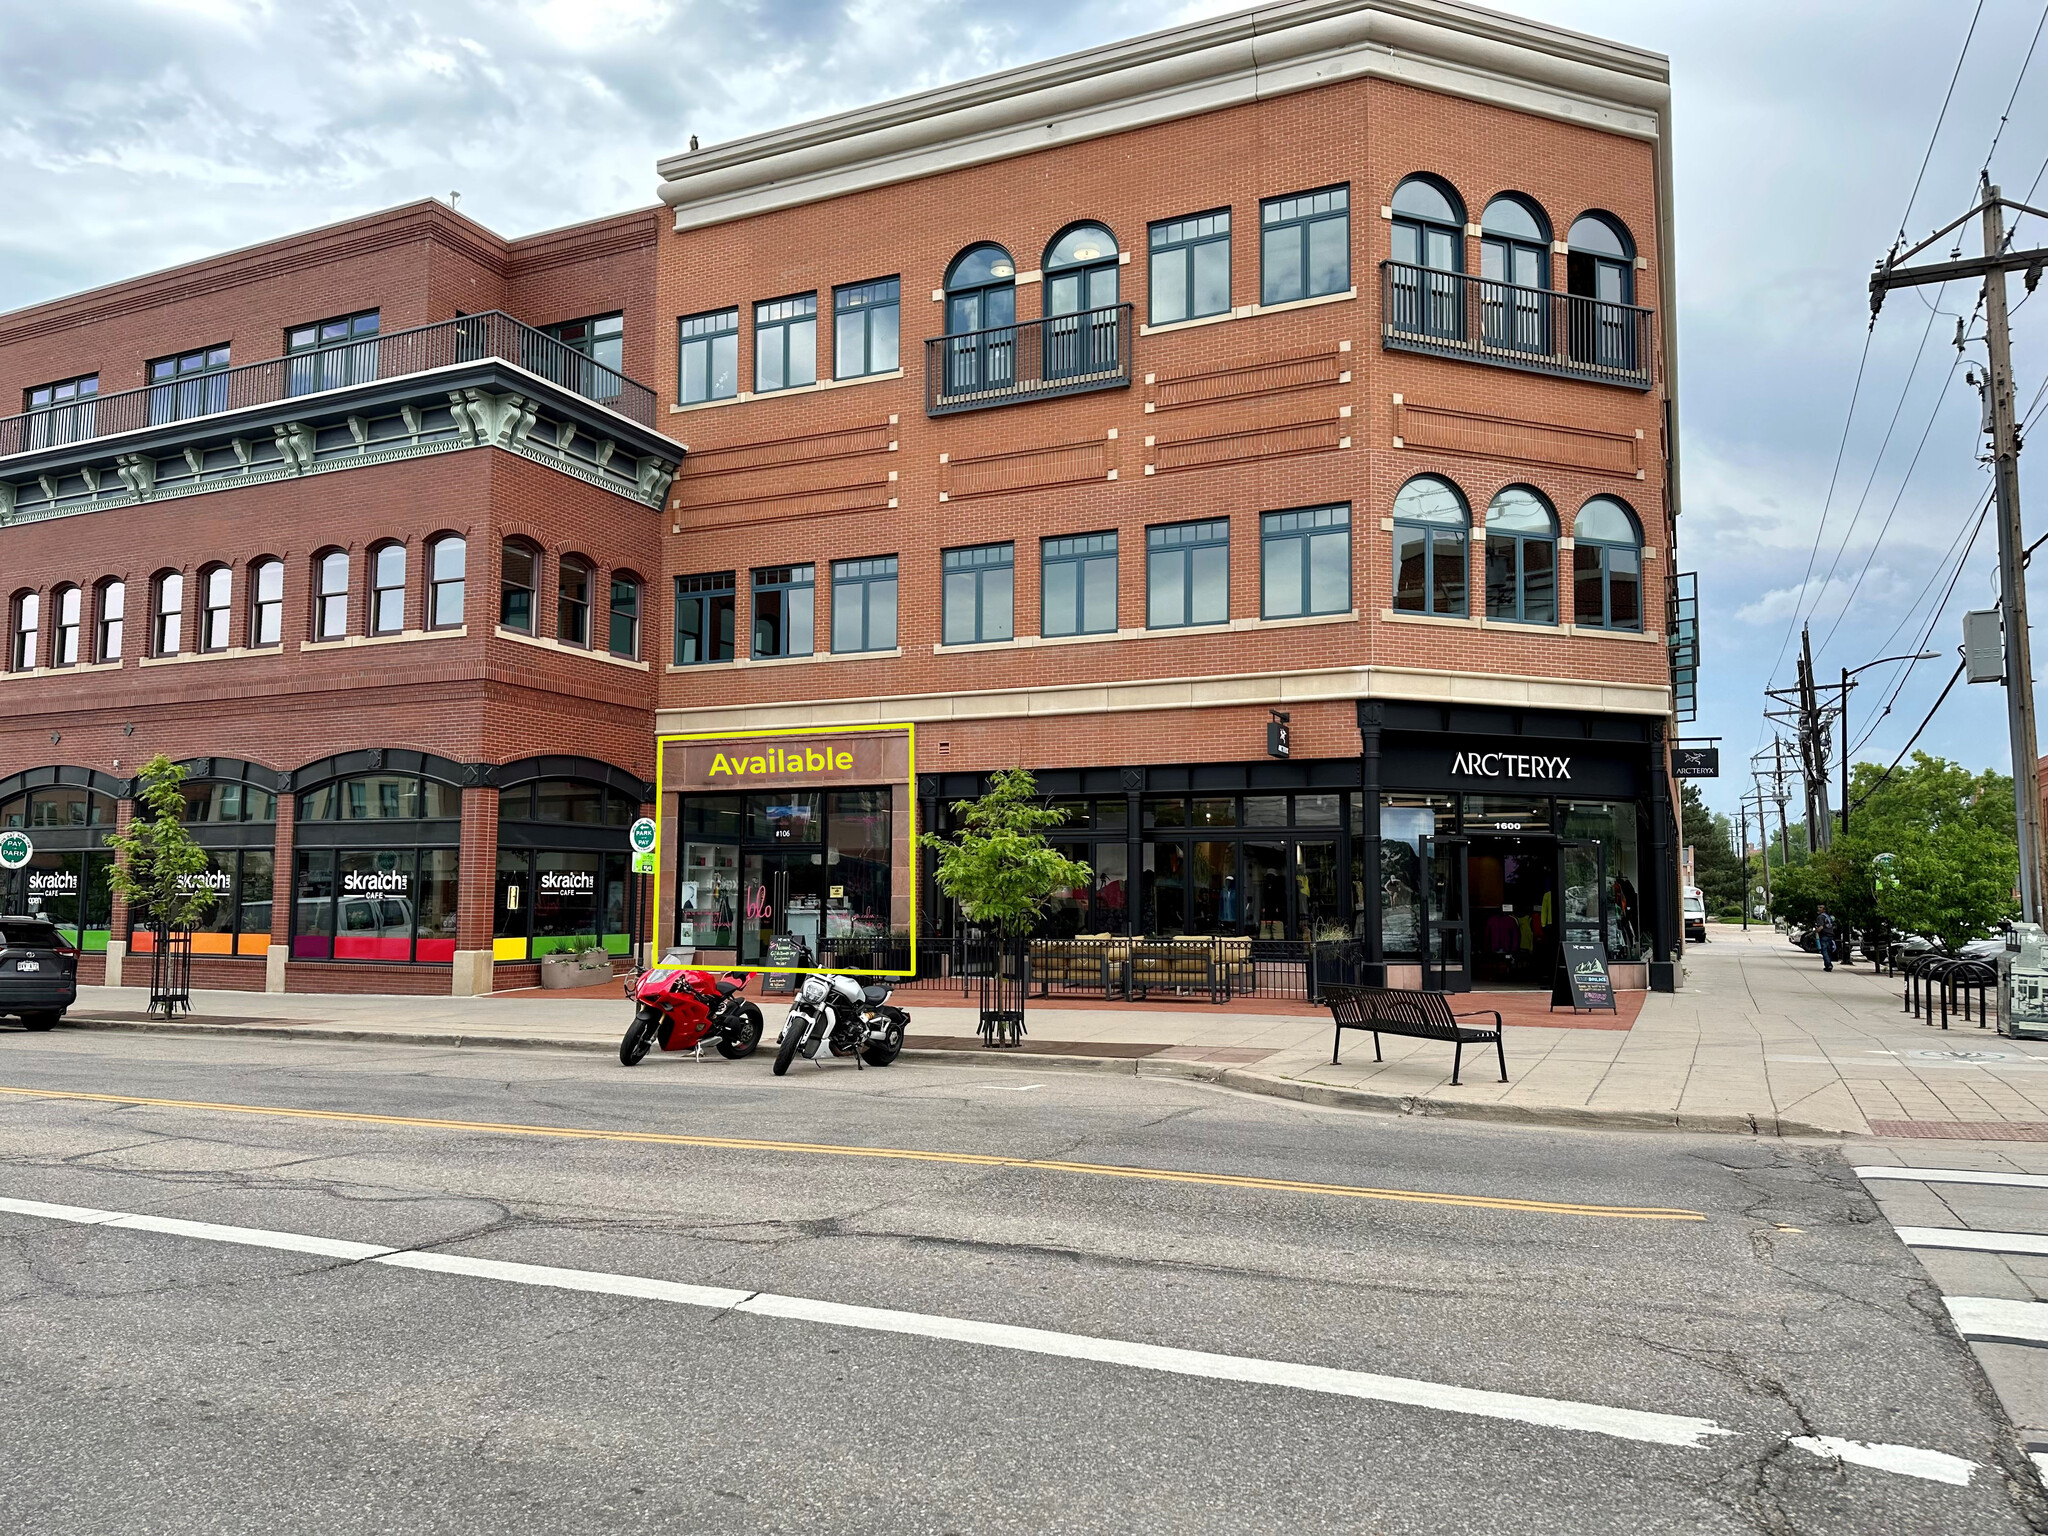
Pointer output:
x,y
541,642
346,642
76,666
1249,312
779,394
815,658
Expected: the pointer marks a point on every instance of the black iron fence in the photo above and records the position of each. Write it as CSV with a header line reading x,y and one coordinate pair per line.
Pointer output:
x,y
1453,314
1030,360
465,339
1190,968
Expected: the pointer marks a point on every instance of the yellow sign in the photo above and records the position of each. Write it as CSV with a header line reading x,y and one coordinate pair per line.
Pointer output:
x,y
783,760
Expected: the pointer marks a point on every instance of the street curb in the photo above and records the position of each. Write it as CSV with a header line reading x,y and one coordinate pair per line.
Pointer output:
x,y
1298,1090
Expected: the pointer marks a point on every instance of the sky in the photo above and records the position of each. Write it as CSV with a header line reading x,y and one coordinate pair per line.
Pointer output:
x,y
135,134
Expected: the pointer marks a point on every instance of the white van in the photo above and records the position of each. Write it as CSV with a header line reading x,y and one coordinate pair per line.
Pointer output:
x,y
1694,905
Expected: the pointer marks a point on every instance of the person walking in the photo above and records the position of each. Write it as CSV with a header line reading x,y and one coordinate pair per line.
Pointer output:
x,y
1824,931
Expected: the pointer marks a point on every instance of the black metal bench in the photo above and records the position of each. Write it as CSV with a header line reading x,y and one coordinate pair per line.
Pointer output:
x,y
1422,1015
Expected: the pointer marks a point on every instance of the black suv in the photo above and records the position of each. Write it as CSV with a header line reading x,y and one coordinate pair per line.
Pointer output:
x,y
38,971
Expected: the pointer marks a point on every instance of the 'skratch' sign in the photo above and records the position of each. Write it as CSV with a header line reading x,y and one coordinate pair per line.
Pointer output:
x,y
384,882
1512,765
780,761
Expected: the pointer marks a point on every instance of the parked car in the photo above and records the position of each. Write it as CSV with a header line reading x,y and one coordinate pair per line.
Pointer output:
x,y
1694,905
38,971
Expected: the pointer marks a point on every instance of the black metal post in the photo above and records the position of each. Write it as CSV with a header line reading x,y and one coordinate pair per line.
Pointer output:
x,y
1371,718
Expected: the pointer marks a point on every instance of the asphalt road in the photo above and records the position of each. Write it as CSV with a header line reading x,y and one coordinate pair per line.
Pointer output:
x,y
1352,1361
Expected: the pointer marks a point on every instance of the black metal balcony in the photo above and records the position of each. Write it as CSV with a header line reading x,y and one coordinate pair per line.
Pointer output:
x,y
465,339
1031,360
1452,314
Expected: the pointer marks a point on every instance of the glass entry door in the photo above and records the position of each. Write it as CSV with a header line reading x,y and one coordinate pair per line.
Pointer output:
x,y
1446,936
1582,893
785,897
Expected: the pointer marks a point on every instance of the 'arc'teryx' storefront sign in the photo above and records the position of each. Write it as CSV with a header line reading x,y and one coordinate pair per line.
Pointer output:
x,y
1511,765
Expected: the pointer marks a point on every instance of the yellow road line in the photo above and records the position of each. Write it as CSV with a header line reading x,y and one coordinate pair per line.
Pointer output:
x,y
901,1154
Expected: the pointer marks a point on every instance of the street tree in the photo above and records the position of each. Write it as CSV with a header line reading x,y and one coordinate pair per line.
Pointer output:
x,y
999,866
1716,865
156,864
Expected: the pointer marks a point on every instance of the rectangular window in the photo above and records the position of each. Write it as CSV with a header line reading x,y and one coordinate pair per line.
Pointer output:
x,y
113,599
865,325
64,645
1305,562
704,619
332,354
519,578
1187,574
710,356
980,591
1191,267
784,596
625,617
266,602
572,603
1305,245
1077,585
785,343
864,604
601,339
28,622
190,384
215,589
387,590
62,412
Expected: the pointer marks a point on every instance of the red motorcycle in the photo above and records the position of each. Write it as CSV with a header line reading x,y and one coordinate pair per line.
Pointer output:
x,y
680,1009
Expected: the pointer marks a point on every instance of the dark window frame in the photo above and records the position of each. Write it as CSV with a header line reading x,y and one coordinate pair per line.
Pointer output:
x,y
216,616
1286,212
975,563
60,628
261,607
1179,240
779,323
507,587
865,303
1520,540
438,585
109,630
166,625
1295,533
627,582
568,607
381,587
786,580
25,631
82,387
711,595
1433,533
861,578
1601,567
1079,550
1182,540
328,602
706,332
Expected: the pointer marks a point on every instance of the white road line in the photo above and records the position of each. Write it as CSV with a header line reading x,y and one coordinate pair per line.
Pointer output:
x,y
1973,1242
1935,1466
1954,1176
1992,1320
1554,1413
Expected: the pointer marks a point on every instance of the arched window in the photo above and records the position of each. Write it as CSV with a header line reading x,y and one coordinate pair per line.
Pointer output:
x,y
625,627
572,601
330,599
167,635
113,599
447,560
1514,268
387,589
1431,523
1429,244
1081,291
981,320
67,812
70,605
28,628
377,857
518,581
1521,557
1601,278
215,588
1607,566
266,602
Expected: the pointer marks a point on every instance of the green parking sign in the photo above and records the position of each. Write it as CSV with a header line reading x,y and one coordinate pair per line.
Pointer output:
x,y
15,849
642,837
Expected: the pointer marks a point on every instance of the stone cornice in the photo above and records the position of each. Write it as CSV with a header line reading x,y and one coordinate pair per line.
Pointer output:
x,y
1176,73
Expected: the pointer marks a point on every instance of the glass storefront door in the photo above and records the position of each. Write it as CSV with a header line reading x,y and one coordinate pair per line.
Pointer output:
x,y
708,896
1582,889
784,897
1447,950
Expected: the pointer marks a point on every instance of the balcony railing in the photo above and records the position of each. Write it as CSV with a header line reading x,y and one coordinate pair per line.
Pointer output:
x,y
1031,360
465,339
1452,314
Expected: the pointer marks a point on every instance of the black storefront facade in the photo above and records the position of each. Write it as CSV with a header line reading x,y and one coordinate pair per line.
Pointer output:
x,y
1452,852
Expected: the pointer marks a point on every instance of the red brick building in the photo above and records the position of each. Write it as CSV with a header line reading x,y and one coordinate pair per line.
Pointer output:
x,y
1314,361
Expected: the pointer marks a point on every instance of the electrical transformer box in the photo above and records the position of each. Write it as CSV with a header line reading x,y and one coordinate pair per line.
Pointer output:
x,y
2023,983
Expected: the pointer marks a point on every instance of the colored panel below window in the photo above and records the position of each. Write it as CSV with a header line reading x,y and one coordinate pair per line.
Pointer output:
x,y
312,946
253,944
213,943
95,941
435,950
142,942
618,943
372,947
508,949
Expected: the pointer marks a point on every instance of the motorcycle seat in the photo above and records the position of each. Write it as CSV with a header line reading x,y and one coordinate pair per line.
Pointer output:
x,y
875,992
727,986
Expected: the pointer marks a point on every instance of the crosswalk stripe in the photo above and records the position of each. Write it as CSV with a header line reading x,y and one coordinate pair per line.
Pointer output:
x,y
1966,1240
1994,1320
1955,1176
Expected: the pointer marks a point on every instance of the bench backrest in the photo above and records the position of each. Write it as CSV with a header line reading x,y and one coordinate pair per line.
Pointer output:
x,y
1394,1009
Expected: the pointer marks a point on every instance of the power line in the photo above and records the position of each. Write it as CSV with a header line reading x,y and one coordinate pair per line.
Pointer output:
x,y
2007,113
1956,678
1940,118
1933,618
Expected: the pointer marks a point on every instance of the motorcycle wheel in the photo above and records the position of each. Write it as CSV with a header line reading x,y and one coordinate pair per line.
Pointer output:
x,y
639,1036
793,1033
879,1053
743,1041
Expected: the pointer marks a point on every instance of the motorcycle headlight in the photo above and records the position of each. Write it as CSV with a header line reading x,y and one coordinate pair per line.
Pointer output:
x,y
813,990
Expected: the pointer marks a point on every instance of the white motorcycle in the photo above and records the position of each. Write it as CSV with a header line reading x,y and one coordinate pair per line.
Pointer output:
x,y
844,1016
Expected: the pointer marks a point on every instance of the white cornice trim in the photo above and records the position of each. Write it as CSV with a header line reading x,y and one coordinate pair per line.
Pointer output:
x,y
1252,55
1137,696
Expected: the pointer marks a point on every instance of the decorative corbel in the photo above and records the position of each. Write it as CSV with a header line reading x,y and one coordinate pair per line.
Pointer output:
x,y
359,429
90,474
195,458
245,454
411,413
654,478
295,440
605,449
6,501
138,473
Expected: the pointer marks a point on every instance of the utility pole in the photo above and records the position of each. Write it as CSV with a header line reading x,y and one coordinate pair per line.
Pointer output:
x,y
1992,266
1802,710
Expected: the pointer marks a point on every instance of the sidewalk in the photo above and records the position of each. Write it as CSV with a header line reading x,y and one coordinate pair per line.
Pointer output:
x,y
1761,1041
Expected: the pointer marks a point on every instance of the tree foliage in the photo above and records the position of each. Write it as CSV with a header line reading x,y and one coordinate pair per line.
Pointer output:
x,y
1953,855
157,865
999,866
1716,865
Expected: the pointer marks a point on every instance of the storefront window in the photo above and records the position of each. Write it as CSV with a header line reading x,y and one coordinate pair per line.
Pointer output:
x,y
1507,813
1612,823
857,853
787,816
385,892
708,894
67,889
563,880
381,797
238,922
1405,820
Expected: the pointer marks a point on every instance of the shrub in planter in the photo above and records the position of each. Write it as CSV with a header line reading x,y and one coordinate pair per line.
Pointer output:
x,y
560,970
